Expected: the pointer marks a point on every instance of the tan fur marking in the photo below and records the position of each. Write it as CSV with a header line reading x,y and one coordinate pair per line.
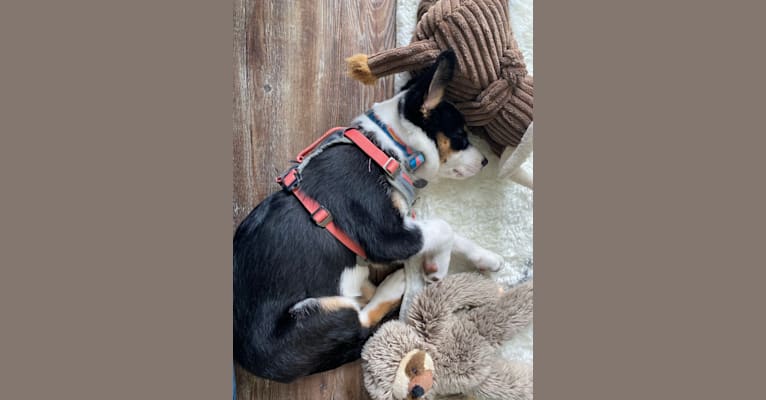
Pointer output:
x,y
399,203
445,147
376,314
368,290
425,111
334,303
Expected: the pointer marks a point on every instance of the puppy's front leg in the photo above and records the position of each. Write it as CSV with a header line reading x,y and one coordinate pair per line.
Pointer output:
x,y
483,259
438,239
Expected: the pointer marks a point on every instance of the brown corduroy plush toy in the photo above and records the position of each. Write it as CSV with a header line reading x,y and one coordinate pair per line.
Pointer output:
x,y
491,86
449,344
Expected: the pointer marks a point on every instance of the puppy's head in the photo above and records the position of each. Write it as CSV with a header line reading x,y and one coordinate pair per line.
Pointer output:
x,y
425,107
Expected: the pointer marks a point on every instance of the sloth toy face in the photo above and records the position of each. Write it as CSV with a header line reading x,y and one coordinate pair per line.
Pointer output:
x,y
414,377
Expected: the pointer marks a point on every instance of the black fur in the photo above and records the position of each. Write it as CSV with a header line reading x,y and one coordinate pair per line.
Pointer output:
x,y
444,118
281,257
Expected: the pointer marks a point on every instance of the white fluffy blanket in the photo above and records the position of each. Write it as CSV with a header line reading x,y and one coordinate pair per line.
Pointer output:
x,y
495,213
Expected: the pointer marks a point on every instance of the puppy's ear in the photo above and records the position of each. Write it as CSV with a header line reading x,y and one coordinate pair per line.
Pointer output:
x,y
441,73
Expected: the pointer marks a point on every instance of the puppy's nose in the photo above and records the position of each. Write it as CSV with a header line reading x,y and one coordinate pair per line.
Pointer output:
x,y
417,392
484,162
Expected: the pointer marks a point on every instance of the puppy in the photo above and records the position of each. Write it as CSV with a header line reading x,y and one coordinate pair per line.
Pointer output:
x,y
302,302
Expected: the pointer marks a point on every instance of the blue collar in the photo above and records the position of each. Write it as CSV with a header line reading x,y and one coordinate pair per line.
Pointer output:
x,y
414,158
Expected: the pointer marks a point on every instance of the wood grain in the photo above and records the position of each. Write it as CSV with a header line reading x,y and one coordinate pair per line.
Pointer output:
x,y
290,86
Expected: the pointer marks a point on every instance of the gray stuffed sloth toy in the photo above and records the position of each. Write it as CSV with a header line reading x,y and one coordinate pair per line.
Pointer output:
x,y
449,344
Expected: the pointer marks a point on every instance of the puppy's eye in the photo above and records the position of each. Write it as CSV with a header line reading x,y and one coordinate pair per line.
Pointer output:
x,y
461,143
414,370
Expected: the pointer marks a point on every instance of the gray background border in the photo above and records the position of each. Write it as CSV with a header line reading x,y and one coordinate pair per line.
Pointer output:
x,y
115,163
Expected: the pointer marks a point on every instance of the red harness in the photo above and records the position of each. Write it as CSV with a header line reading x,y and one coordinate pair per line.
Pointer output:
x,y
290,181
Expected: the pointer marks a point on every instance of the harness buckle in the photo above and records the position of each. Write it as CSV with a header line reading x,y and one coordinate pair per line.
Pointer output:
x,y
290,180
321,216
391,169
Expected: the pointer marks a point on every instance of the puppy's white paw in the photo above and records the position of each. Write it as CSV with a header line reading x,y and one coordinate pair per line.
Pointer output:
x,y
392,288
435,268
486,260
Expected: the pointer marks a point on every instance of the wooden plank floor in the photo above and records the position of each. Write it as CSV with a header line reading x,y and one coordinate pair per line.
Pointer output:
x,y
289,87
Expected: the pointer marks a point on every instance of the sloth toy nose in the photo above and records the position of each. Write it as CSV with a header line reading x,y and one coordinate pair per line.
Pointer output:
x,y
484,162
417,391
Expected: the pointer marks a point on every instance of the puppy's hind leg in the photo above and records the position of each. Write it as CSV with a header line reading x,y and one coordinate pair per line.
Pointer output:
x,y
318,334
368,291
387,297
308,306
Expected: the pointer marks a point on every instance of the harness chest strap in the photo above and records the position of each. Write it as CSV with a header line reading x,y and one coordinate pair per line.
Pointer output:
x,y
290,181
389,164
399,179
319,214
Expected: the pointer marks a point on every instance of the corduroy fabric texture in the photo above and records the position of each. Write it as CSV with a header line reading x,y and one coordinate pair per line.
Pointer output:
x,y
491,86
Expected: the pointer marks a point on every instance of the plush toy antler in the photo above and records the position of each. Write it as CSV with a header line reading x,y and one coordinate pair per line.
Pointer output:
x,y
491,87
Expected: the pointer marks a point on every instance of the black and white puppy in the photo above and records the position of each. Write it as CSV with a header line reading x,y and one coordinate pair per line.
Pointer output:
x,y
301,303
